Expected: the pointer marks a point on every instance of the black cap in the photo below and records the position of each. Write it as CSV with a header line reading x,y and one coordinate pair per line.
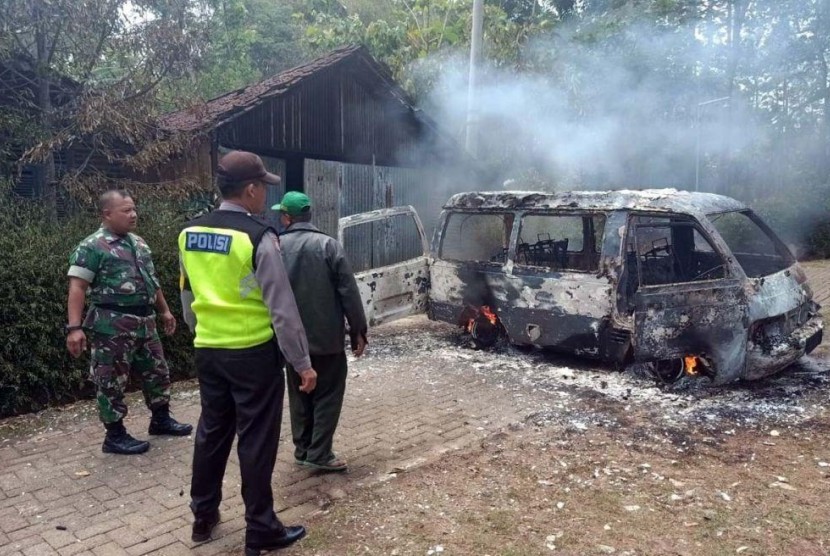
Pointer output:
x,y
240,166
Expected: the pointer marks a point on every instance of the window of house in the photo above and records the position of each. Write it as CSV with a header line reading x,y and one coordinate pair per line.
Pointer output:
x,y
478,237
560,242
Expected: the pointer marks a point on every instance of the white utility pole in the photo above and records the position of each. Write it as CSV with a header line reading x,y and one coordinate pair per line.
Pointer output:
x,y
697,136
475,57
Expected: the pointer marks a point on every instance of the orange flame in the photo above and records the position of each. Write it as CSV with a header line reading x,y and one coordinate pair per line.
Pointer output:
x,y
487,312
690,363
491,316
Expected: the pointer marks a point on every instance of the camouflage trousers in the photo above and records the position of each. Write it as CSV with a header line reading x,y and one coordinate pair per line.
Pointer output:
x,y
112,359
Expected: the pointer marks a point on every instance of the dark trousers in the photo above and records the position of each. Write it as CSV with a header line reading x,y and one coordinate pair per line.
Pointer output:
x,y
242,393
314,416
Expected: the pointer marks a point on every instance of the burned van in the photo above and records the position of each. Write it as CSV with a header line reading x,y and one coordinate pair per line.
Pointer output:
x,y
689,282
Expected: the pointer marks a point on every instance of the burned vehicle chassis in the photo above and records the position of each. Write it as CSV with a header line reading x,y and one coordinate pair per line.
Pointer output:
x,y
647,277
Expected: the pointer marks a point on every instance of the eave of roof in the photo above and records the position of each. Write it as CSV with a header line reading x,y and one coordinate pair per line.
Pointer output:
x,y
225,108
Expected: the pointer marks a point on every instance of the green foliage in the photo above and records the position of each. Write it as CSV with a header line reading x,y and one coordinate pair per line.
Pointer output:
x,y
35,368
800,215
88,71
245,40
418,39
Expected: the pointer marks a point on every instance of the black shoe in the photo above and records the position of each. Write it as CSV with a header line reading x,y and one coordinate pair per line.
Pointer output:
x,y
203,527
119,441
163,423
291,535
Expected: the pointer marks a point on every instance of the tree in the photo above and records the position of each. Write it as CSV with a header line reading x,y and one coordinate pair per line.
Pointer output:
x,y
116,53
246,40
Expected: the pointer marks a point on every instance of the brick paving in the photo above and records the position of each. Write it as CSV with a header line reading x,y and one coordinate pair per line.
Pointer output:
x,y
819,274
60,495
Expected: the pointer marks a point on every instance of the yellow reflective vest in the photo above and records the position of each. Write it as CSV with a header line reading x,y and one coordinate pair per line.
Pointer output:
x,y
218,258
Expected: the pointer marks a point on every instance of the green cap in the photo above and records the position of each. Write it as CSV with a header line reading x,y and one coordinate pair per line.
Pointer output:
x,y
293,203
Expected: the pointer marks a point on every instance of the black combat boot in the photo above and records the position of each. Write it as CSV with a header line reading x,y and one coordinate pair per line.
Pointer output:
x,y
119,441
163,423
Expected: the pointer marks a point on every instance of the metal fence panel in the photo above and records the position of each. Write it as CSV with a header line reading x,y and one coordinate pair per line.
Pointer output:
x,y
424,189
322,185
357,192
357,196
274,193
364,188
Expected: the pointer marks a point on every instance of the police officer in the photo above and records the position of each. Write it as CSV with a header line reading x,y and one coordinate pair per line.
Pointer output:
x,y
236,295
326,292
114,266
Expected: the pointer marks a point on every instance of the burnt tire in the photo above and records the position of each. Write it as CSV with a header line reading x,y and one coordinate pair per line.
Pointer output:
x,y
668,371
484,333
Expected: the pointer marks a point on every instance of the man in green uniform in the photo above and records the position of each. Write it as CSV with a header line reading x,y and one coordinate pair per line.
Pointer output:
x,y
114,267
326,292
237,299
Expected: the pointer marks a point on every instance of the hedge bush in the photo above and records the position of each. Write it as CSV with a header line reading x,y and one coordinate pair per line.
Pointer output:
x,y
35,367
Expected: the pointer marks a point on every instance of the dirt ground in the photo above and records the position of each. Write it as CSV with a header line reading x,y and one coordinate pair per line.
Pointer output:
x,y
563,456
603,463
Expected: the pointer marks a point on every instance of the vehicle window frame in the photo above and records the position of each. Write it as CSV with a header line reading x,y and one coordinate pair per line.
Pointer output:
x,y
385,219
782,248
478,262
589,238
685,220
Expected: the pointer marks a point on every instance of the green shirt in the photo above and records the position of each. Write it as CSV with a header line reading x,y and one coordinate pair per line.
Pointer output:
x,y
119,269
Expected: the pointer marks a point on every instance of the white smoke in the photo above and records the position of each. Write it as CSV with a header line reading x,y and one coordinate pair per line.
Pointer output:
x,y
597,117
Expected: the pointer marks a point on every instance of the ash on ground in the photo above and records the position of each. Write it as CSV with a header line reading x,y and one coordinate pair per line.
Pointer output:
x,y
578,393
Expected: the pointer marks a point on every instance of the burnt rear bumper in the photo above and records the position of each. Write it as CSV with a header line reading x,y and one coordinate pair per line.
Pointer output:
x,y
769,358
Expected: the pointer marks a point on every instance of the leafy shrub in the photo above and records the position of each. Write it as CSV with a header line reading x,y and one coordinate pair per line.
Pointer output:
x,y
35,368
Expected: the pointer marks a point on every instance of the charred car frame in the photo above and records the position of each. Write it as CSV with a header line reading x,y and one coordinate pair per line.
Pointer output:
x,y
691,282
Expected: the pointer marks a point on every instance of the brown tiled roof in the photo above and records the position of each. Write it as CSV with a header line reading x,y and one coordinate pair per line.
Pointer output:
x,y
226,107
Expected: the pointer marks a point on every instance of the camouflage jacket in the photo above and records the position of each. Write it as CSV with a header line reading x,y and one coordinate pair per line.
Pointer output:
x,y
119,269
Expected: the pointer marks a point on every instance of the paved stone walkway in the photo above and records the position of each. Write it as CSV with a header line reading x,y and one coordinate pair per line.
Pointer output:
x,y
60,495
819,274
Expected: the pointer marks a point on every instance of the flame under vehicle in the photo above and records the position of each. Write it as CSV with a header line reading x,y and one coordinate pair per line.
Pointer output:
x,y
692,283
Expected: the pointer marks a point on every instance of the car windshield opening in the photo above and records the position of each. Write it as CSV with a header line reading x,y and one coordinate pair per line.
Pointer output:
x,y
754,246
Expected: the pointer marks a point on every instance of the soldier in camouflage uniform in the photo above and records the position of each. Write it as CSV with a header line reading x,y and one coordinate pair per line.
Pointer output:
x,y
114,267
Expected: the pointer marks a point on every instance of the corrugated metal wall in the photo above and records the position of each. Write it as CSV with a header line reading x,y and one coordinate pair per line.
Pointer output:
x,y
357,195
338,190
322,185
403,186
358,192
365,188
275,192
342,115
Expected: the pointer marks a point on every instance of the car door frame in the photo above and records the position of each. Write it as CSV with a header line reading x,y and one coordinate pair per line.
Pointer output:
x,y
393,291
565,308
706,318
